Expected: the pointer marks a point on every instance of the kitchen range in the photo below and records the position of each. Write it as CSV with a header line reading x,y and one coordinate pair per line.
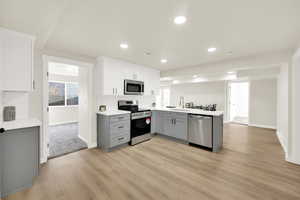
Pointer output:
x,y
140,121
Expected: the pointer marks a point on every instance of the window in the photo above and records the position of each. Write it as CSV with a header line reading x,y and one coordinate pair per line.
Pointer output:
x,y
163,99
63,94
72,93
56,94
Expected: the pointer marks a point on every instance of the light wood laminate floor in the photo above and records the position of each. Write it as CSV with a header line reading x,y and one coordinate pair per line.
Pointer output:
x,y
251,166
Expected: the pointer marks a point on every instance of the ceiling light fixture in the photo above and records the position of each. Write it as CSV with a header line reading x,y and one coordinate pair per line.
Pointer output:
x,y
195,76
124,45
211,49
180,20
231,72
164,60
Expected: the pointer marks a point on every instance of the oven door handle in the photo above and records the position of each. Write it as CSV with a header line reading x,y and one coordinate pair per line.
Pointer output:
x,y
140,117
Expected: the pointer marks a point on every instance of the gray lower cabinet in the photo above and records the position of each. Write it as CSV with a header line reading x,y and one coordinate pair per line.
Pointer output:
x,y
157,124
175,125
112,131
19,159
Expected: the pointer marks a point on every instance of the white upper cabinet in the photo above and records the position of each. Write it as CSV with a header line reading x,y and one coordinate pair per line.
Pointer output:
x,y
152,81
17,65
110,75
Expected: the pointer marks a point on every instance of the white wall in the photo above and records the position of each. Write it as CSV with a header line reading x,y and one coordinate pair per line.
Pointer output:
x,y
294,139
283,107
84,104
199,93
63,114
263,103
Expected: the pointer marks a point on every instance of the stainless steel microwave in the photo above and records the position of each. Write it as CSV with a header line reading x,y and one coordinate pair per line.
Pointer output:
x,y
132,87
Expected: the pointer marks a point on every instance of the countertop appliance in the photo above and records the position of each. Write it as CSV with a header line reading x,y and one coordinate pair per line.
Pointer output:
x,y
132,87
201,131
140,129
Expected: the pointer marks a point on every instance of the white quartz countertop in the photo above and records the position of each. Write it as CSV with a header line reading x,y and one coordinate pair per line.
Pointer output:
x,y
189,111
21,123
113,112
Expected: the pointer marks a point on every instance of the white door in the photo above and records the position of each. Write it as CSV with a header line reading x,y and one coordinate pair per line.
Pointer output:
x,y
238,93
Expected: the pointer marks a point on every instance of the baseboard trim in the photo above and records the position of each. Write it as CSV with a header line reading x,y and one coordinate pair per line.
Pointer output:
x,y
291,160
43,160
263,126
281,142
82,139
93,145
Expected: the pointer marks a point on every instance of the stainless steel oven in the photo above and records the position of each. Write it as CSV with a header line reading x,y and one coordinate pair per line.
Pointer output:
x,y
140,127
132,87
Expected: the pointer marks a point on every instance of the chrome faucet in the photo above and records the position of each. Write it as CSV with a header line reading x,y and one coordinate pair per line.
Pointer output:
x,y
181,102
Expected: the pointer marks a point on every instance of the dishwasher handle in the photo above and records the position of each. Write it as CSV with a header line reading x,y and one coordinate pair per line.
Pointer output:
x,y
196,117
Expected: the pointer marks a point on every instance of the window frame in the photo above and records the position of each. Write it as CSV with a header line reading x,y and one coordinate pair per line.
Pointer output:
x,y
64,82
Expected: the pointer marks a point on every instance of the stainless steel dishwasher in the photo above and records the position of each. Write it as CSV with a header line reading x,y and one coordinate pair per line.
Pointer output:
x,y
200,130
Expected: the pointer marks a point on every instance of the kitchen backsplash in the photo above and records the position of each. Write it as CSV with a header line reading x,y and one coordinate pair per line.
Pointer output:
x,y
18,99
111,102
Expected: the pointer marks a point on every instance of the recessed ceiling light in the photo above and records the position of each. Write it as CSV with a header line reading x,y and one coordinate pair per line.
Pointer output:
x,y
212,49
175,82
180,20
195,76
163,60
231,72
124,45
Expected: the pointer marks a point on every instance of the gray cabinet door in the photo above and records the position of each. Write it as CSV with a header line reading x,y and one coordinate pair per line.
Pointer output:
x,y
20,159
168,121
157,125
154,128
180,128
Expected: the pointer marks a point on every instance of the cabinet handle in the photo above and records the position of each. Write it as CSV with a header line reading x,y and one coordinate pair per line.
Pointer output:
x,y
2,130
121,127
121,118
175,121
121,138
33,84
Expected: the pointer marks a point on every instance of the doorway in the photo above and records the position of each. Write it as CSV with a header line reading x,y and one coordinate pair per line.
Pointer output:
x,y
238,104
63,133
67,107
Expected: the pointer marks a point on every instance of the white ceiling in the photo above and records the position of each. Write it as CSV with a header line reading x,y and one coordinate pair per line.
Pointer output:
x,y
97,27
